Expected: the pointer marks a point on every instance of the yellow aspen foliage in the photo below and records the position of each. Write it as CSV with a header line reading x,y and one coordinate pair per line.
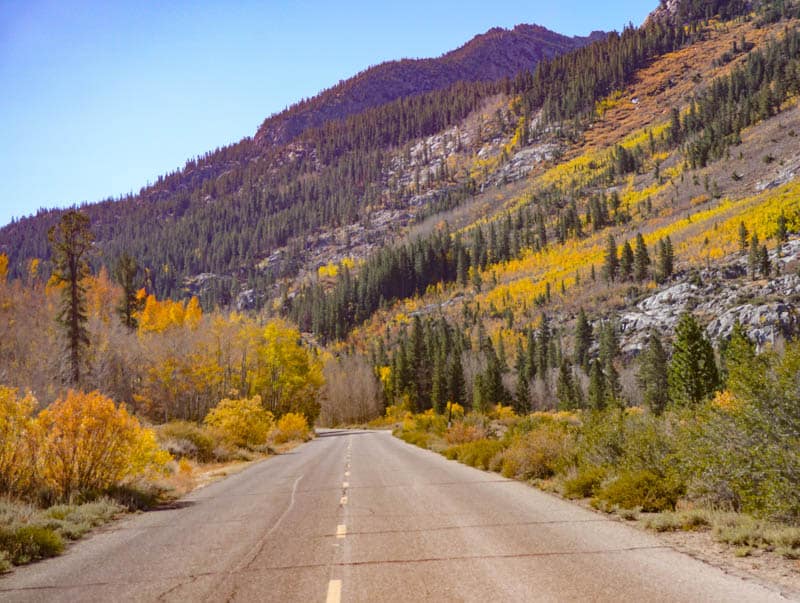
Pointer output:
x,y
159,316
454,409
90,444
3,267
726,401
33,268
101,295
18,441
291,426
242,422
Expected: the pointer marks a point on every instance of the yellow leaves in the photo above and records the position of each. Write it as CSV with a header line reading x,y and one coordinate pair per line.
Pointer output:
x,y
33,268
89,445
159,316
454,409
291,426
242,422
385,374
18,441
726,402
608,103
328,271
501,412
3,267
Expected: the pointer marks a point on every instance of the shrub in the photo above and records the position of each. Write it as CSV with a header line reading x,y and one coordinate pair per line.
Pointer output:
x,y
416,438
242,422
460,433
643,489
5,562
291,426
90,445
18,442
537,454
187,439
29,542
585,482
685,521
479,453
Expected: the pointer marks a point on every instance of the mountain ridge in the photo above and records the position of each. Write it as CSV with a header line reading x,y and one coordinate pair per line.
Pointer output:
x,y
496,54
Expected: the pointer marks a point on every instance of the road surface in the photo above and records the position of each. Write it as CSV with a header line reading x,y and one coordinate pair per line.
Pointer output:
x,y
362,516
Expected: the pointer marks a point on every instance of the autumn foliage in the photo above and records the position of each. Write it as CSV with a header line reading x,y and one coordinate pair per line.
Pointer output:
x,y
81,445
242,422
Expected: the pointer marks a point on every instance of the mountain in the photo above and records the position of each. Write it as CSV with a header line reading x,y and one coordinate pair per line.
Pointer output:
x,y
499,53
255,203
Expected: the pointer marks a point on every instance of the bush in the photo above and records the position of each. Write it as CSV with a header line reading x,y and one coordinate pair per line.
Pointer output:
x,y
643,489
585,483
291,426
29,542
5,562
18,442
242,422
538,454
187,439
89,445
461,433
477,454
416,438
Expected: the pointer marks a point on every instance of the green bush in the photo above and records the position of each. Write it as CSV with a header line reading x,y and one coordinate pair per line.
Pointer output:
x,y
640,489
30,542
585,483
5,562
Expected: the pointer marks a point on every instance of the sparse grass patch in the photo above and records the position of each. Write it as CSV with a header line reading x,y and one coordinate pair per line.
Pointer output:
x,y
679,521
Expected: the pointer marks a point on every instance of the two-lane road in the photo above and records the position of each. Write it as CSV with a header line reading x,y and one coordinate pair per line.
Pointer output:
x,y
361,516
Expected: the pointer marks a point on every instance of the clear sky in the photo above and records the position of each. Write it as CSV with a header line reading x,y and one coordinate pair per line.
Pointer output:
x,y
99,98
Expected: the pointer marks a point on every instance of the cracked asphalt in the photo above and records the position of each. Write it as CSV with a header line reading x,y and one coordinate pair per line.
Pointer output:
x,y
362,516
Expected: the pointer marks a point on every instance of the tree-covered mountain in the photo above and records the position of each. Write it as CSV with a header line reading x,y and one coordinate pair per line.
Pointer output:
x,y
243,213
499,53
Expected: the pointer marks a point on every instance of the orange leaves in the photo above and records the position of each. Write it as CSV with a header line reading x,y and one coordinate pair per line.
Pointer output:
x,y
89,444
159,316
18,441
83,443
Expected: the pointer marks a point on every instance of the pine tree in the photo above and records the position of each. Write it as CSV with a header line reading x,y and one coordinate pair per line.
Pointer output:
x,y
666,259
566,388
641,259
754,257
693,374
764,265
597,387
125,272
583,340
626,261
611,260
71,240
455,381
522,395
743,235
652,375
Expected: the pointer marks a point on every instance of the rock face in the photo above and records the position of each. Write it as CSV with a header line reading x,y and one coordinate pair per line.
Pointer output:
x,y
491,56
769,309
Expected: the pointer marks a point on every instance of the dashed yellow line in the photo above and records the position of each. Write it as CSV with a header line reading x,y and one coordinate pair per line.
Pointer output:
x,y
341,531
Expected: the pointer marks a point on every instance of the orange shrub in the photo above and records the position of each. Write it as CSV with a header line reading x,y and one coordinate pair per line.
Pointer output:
x,y
90,444
461,433
18,441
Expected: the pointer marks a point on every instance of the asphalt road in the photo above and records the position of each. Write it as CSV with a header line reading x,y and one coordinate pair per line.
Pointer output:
x,y
361,516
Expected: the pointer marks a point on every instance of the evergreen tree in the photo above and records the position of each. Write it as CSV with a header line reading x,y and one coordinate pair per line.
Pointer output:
x,y
626,261
666,259
652,375
754,257
693,374
71,240
641,259
743,237
611,260
566,390
597,387
125,272
456,386
583,340
522,403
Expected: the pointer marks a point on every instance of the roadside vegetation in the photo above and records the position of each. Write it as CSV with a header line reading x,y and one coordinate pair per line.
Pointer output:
x,y
727,462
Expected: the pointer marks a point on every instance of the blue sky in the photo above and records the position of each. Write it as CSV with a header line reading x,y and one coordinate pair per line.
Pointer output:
x,y
99,98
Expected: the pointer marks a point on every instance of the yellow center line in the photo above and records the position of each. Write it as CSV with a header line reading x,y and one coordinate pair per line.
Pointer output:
x,y
341,531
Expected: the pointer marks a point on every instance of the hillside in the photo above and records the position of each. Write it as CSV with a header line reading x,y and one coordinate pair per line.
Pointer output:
x,y
255,204
499,53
